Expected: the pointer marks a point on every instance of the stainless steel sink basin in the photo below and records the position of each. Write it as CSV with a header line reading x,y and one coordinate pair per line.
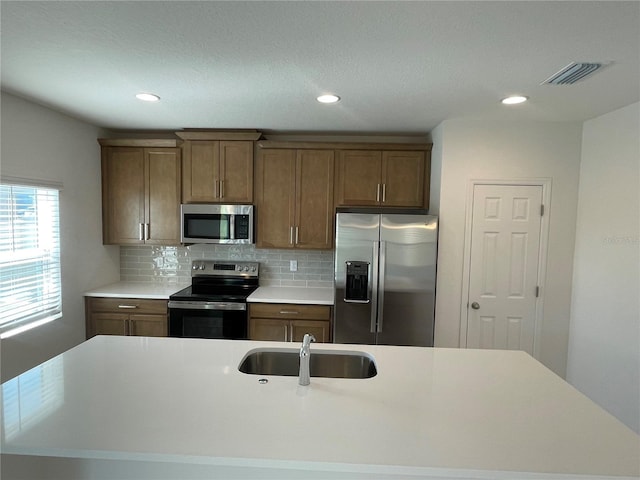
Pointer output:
x,y
286,362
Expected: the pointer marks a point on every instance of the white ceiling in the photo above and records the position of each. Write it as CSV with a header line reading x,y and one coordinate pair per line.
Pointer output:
x,y
400,67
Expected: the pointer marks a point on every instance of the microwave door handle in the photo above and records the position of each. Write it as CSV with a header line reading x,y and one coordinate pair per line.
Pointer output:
x,y
232,226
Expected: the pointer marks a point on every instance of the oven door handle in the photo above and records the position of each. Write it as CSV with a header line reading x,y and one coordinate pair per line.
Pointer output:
x,y
186,305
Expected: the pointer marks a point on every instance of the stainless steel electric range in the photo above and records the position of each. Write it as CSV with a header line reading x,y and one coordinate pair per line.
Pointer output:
x,y
215,305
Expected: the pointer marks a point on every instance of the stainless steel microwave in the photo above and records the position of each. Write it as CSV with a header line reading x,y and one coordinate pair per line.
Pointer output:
x,y
212,223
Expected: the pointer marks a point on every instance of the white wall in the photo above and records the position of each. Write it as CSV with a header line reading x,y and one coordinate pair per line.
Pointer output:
x,y
604,345
42,144
477,149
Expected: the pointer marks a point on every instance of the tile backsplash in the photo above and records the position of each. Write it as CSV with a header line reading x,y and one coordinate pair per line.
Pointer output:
x,y
172,265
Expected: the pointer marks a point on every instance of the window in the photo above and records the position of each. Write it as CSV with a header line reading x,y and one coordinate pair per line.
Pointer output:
x,y
30,291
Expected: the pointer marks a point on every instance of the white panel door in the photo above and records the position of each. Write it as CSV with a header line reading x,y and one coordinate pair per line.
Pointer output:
x,y
503,271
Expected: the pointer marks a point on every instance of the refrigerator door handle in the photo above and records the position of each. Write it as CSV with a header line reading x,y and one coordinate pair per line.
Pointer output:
x,y
374,287
380,305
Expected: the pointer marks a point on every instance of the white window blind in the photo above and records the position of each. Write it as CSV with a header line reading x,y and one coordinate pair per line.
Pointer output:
x,y
30,290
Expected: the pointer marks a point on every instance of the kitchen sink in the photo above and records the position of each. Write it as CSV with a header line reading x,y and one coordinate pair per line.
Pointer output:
x,y
331,364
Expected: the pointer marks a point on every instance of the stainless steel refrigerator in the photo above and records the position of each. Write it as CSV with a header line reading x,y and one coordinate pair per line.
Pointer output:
x,y
385,277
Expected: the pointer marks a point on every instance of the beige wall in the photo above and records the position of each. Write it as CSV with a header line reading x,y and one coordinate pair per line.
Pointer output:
x,y
475,149
39,143
604,345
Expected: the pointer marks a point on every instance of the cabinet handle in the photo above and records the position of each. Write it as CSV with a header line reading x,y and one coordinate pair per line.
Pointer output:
x,y
384,192
296,235
291,235
289,312
127,306
378,193
146,231
221,188
141,232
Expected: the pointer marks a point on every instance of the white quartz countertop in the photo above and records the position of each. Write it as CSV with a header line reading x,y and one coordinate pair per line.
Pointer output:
x,y
300,295
428,413
136,290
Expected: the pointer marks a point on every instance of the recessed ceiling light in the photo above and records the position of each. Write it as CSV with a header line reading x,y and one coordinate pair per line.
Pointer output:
x,y
328,98
147,97
514,100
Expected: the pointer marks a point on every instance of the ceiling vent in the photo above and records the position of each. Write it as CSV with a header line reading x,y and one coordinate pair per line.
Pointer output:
x,y
573,73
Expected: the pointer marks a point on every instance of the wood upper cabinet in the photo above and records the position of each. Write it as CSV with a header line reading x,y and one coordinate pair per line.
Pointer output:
x,y
217,167
358,177
140,192
392,178
402,179
294,198
125,316
284,322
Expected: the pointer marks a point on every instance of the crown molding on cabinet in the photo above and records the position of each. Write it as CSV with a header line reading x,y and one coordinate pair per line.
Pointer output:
x,y
265,144
138,142
219,135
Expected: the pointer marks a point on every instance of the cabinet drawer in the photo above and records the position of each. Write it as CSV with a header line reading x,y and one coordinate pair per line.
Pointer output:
x,y
290,311
127,305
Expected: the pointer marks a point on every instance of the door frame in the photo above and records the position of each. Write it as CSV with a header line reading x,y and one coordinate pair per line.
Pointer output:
x,y
545,183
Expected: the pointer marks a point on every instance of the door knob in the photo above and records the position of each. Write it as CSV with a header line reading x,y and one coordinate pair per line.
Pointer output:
x,y
475,305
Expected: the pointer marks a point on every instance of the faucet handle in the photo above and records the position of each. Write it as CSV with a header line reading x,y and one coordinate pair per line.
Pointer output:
x,y
308,338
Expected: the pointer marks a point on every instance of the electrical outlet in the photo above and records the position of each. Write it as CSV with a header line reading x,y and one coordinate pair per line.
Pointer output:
x,y
293,265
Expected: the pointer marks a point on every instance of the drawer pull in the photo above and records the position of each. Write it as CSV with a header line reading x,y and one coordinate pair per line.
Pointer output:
x,y
127,306
289,312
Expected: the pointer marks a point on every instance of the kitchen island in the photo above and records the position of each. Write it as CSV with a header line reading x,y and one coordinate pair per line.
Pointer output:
x,y
138,407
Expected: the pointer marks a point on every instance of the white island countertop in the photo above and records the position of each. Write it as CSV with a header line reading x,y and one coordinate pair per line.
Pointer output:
x,y
135,407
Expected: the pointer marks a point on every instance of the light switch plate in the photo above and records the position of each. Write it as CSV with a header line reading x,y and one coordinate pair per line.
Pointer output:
x,y
293,265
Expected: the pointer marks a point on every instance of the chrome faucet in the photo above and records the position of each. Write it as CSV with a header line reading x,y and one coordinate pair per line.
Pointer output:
x,y
305,356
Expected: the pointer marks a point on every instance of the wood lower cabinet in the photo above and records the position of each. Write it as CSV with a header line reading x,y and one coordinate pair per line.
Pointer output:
x,y
391,178
140,192
294,198
284,322
217,167
125,316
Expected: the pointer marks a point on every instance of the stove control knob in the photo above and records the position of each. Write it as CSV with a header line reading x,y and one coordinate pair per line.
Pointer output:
x,y
246,269
194,267
202,266
253,268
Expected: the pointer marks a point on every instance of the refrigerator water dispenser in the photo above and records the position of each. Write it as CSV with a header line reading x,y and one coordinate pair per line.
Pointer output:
x,y
357,282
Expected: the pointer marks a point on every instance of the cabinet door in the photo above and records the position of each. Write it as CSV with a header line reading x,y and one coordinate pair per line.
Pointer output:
x,y
359,179
148,325
269,329
318,328
163,196
403,178
275,194
123,204
314,199
108,324
236,172
201,165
